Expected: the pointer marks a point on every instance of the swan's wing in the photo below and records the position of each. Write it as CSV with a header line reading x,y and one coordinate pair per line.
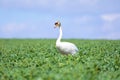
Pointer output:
x,y
68,47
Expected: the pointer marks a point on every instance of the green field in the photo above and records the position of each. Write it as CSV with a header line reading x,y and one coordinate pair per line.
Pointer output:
x,y
38,59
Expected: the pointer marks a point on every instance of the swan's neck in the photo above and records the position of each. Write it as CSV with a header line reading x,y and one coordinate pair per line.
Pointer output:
x,y
60,36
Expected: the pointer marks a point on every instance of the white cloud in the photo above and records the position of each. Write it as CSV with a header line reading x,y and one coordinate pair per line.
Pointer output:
x,y
47,3
110,17
83,19
57,7
111,26
110,21
115,35
112,35
12,28
88,2
23,30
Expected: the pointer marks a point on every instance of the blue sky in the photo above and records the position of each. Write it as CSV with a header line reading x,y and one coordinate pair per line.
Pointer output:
x,y
84,19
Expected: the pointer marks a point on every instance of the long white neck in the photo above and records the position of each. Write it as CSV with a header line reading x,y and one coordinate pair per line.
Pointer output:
x,y
60,36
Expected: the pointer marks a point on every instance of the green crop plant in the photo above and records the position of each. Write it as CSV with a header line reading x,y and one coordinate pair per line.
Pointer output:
x,y
38,59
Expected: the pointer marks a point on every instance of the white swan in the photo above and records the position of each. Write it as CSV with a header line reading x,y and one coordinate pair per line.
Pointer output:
x,y
64,47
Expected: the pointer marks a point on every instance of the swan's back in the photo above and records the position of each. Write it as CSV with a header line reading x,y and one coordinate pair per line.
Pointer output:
x,y
67,48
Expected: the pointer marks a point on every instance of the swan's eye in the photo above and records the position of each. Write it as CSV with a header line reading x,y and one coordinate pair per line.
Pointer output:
x,y
56,23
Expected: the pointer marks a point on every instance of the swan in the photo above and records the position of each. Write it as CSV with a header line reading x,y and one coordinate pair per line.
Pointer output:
x,y
64,47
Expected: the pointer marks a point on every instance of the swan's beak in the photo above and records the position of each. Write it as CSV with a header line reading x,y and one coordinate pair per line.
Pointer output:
x,y
55,26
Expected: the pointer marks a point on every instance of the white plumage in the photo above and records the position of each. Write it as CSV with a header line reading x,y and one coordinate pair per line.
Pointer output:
x,y
64,47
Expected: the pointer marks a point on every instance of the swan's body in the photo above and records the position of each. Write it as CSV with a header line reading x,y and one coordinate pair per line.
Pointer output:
x,y
64,47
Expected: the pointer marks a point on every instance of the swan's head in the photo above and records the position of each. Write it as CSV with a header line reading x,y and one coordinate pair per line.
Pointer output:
x,y
57,24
